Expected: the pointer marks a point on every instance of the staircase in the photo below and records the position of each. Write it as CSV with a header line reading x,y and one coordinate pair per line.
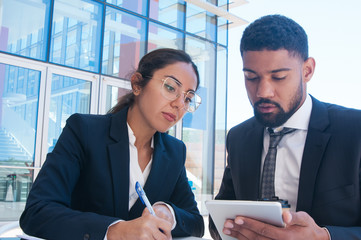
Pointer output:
x,y
12,154
11,151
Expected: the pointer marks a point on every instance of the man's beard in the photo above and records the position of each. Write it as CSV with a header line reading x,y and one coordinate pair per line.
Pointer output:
x,y
277,119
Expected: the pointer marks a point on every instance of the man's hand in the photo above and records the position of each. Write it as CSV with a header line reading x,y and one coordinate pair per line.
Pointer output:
x,y
299,225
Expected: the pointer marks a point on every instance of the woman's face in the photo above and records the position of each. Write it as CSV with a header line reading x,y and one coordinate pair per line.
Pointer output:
x,y
157,111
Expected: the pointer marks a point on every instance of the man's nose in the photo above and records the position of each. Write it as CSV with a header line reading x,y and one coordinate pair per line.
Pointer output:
x,y
265,89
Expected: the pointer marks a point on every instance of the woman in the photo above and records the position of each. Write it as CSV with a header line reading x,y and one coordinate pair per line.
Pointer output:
x,y
86,188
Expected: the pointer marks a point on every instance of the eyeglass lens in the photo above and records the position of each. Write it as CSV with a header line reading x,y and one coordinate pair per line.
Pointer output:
x,y
171,90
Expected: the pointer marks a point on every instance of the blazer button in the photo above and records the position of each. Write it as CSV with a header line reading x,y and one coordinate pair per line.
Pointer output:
x,y
86,236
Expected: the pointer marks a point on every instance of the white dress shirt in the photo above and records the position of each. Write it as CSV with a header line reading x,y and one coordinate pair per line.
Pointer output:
x,y
136,174
289,153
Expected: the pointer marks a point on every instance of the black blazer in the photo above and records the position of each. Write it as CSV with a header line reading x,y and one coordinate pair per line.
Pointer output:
x,y
84,184
330,177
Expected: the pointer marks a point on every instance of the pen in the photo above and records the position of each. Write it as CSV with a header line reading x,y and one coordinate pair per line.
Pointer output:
x,y
144,198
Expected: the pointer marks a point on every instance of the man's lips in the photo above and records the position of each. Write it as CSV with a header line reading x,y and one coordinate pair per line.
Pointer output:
x,y
266,107
169,116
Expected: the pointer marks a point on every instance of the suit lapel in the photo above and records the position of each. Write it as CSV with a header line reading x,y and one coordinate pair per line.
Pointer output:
x,y
119,161
251,162
315,146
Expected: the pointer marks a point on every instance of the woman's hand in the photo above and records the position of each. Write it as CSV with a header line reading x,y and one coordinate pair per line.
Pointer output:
x,y
145,227
162,211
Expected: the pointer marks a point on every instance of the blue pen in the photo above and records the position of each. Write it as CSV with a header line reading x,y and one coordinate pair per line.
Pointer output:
x,y
144,198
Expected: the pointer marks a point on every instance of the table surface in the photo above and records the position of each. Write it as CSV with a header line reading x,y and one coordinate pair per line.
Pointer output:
x,y
17,238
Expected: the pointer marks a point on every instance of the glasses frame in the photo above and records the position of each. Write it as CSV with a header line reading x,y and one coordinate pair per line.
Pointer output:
x,y
187,107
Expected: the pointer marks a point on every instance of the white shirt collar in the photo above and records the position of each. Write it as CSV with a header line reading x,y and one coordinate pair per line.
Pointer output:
x,y
301,118
132,138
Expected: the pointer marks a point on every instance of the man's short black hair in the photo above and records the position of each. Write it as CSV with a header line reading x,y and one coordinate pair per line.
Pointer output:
x,y
275,32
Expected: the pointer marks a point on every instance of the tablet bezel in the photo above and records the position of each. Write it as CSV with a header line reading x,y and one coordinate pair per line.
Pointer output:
x,y
265,211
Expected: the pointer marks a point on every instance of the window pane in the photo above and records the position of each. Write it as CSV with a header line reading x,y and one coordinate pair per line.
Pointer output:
x,y
201,22
138,6
220,124
113,95
124,43
222,31
75,37
19,91
169,12
198,127
68,95
160,37
23,27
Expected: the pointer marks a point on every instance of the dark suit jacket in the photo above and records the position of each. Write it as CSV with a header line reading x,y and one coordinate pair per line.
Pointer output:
x,y
330,177
84,184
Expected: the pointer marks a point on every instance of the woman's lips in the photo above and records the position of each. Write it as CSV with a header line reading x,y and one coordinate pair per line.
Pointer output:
x,y
169,116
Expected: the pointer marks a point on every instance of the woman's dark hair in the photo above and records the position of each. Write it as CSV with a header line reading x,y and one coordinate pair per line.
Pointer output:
x,y
275,32
150,63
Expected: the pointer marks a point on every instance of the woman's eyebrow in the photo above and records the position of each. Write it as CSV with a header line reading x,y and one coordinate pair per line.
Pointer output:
x,y
178,82
175,79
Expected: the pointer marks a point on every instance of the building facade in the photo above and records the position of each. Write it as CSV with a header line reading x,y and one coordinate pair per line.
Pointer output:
x,y
59,57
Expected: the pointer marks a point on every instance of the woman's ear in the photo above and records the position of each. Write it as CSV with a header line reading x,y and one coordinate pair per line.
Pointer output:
x,y
135,82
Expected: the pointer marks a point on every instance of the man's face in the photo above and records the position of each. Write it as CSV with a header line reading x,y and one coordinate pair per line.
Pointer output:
x,y
276,84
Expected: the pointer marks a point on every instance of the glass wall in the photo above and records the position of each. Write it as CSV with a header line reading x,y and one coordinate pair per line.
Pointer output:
x,y
124,42
198,127
75,36
19,101
59,57
24,28
68,95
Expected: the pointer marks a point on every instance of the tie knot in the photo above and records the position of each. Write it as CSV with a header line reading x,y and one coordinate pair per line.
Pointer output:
x,y
284,131
275,137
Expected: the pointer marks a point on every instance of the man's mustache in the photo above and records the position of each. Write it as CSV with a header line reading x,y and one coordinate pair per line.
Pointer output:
x,y
256,104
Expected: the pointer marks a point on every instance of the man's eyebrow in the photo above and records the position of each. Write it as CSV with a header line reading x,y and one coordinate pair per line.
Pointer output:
x,y
248,70
272,71
280,70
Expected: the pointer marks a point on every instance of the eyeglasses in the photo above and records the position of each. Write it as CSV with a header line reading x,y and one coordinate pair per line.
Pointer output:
x,y
171,90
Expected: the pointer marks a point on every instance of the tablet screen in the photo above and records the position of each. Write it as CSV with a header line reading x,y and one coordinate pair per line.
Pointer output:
x,y
220,210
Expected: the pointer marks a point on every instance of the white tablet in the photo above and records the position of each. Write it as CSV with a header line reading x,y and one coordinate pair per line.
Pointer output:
x,y
220,210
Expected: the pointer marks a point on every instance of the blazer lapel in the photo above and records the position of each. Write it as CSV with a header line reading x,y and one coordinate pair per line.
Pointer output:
x,y
119,163
315,146
251,162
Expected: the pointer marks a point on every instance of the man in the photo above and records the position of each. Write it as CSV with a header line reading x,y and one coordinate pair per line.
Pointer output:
x,y
317,166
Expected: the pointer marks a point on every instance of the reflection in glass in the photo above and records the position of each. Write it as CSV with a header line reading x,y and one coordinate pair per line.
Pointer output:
x,y
163,37
220,121
19,100
75,37
138,6
170,12
23,27
198,127
113,95
201,22
222,31
124,43
68,96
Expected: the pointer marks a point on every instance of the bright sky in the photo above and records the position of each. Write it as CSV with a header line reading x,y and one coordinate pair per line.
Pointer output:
x,y
334,33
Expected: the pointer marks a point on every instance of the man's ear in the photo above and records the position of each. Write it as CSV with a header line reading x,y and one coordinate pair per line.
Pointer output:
x,y
308,69
135,82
